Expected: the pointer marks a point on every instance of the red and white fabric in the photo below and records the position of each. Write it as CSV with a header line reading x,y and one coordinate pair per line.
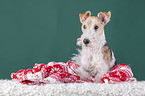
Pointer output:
x,y
119,73
55,72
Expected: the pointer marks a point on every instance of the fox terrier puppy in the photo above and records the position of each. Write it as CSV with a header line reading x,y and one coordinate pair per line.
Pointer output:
x,y
95,58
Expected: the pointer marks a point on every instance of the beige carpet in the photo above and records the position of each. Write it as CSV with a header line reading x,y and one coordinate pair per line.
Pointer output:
x,y
14,88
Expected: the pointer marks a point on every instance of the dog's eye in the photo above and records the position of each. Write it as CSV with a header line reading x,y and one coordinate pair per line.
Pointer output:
x,y
84,26
96,27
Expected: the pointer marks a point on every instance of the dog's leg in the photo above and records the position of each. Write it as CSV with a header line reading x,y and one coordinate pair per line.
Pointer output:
x,y
99,76
82,73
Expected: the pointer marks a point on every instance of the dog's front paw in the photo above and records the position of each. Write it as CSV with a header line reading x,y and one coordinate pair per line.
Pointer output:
x,y
82,73
98,78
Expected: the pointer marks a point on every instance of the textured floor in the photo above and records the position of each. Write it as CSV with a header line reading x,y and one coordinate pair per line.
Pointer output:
x,y
14,88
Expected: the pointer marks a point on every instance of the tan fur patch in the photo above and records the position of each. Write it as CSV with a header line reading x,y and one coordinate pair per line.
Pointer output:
x,y
107,54
84,16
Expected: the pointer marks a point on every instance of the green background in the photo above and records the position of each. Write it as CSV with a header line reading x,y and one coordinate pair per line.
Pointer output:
x,y
41,31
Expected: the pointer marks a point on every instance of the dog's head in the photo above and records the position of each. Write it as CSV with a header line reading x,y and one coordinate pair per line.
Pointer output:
x,y
93,28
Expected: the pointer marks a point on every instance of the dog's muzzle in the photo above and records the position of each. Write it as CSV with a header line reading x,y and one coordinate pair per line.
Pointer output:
x,y
86,41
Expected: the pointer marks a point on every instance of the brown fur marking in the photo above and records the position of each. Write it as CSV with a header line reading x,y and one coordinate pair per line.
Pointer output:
x,y
107,54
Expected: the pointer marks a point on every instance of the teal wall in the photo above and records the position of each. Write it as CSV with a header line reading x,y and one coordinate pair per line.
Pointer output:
x,y
41,31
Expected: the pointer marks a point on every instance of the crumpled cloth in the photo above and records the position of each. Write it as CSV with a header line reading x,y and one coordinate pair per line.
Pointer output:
x,y
56,72
119,73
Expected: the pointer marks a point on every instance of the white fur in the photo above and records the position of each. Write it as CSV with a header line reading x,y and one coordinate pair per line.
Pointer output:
x,y
90,58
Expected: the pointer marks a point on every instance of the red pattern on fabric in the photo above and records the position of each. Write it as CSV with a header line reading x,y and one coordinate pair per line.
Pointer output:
x,y
119,73
55,72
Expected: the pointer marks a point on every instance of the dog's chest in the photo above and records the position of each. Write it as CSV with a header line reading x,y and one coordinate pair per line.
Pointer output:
x,y
92,59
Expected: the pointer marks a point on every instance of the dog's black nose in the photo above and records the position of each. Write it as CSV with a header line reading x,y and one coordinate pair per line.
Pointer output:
x,y
86,41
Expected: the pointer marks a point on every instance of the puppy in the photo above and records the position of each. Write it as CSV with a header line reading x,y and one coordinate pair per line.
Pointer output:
x,y
95,57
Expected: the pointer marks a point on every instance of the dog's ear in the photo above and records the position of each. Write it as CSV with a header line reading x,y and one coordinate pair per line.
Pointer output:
x,y
104,17
84,16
